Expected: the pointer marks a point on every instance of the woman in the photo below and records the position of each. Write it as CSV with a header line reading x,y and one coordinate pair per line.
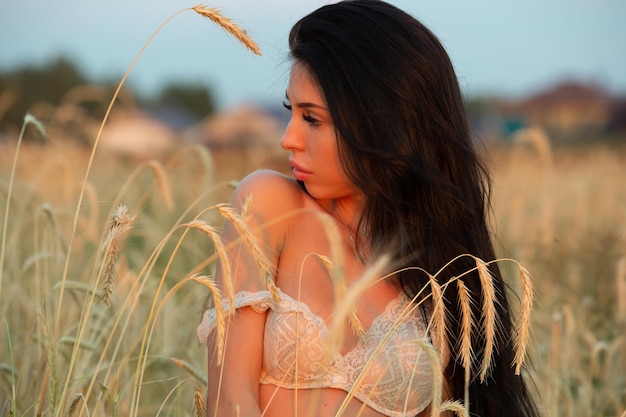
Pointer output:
x,y
379,143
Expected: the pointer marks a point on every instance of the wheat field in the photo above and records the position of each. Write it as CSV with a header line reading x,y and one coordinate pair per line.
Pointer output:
x,y
102,260
99,302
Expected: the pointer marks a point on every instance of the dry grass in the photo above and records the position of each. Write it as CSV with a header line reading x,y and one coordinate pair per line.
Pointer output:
x,y
54,264
67,240
565,222
139,355
228,25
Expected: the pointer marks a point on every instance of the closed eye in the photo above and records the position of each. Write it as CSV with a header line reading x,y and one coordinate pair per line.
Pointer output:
x,y
310,119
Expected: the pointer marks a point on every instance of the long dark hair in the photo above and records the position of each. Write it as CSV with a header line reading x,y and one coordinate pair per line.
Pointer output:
x,y
405,142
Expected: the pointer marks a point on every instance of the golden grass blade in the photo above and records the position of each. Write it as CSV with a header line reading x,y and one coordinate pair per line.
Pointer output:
x,y
246,209
44,390
121,222
198,374
344,309
50,381
523,327
220,315
214,235
228,26
440,327
340,292
73,405
620,281
436,365
28,120
161,177
251,242
454,406
337,273
488,314
465,350
198,402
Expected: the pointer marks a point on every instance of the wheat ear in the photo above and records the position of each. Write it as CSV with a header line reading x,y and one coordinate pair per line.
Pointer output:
x,y
198,403
523,327
345,308
340,288
198,374
440,328
161,177
488,314
214,235
455,407
28,120
250,240
465,350
228,26
220,316
121,222
73,405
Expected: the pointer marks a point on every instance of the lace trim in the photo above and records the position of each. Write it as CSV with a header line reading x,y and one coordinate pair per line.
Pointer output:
x,y
395,374
260,302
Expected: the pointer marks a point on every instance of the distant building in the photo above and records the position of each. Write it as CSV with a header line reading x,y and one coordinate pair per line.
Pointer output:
x,y
568,111
241,139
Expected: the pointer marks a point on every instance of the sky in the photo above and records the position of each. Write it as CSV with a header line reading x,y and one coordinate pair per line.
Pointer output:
x,y
498,47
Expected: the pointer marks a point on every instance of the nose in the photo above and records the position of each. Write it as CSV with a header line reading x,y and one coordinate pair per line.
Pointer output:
x,y
292,139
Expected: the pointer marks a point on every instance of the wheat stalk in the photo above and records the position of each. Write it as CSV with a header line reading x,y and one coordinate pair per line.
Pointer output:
x,y
465,350
455,407
344,309
620,281
228,26
488,314
51,369
251,242
159,173
121,222
73,405
28,120
340,293
440,328
523,328
220,315
189,368
214,235
198,402
198,9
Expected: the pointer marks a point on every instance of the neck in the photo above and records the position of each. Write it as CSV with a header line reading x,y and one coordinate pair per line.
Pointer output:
x,y
351,224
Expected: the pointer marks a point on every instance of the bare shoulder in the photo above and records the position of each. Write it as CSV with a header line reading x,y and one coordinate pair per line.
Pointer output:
x,y
271,193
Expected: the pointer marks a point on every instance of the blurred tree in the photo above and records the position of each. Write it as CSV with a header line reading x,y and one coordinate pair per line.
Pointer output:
x,y
190,101
20,89
29,85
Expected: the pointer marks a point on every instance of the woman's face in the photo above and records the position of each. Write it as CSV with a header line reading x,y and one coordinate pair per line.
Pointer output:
x,y
311,139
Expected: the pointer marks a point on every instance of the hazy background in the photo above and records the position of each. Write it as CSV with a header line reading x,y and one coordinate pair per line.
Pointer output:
x,y
500,48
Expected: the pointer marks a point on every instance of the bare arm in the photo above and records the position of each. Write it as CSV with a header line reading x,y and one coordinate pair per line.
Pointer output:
x,y
233,388
234,385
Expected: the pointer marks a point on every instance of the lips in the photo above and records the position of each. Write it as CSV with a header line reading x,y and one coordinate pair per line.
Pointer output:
x,y
299,173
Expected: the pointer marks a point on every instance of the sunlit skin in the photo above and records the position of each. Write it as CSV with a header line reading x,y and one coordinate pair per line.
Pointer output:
x,y
289,244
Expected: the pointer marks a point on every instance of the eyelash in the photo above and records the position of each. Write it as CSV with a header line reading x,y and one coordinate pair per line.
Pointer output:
x,y
306,118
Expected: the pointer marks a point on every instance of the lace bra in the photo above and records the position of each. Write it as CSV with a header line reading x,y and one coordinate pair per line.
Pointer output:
x,y
387,370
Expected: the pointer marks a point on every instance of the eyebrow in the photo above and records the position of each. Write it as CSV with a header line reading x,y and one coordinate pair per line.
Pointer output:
x,y
307,104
